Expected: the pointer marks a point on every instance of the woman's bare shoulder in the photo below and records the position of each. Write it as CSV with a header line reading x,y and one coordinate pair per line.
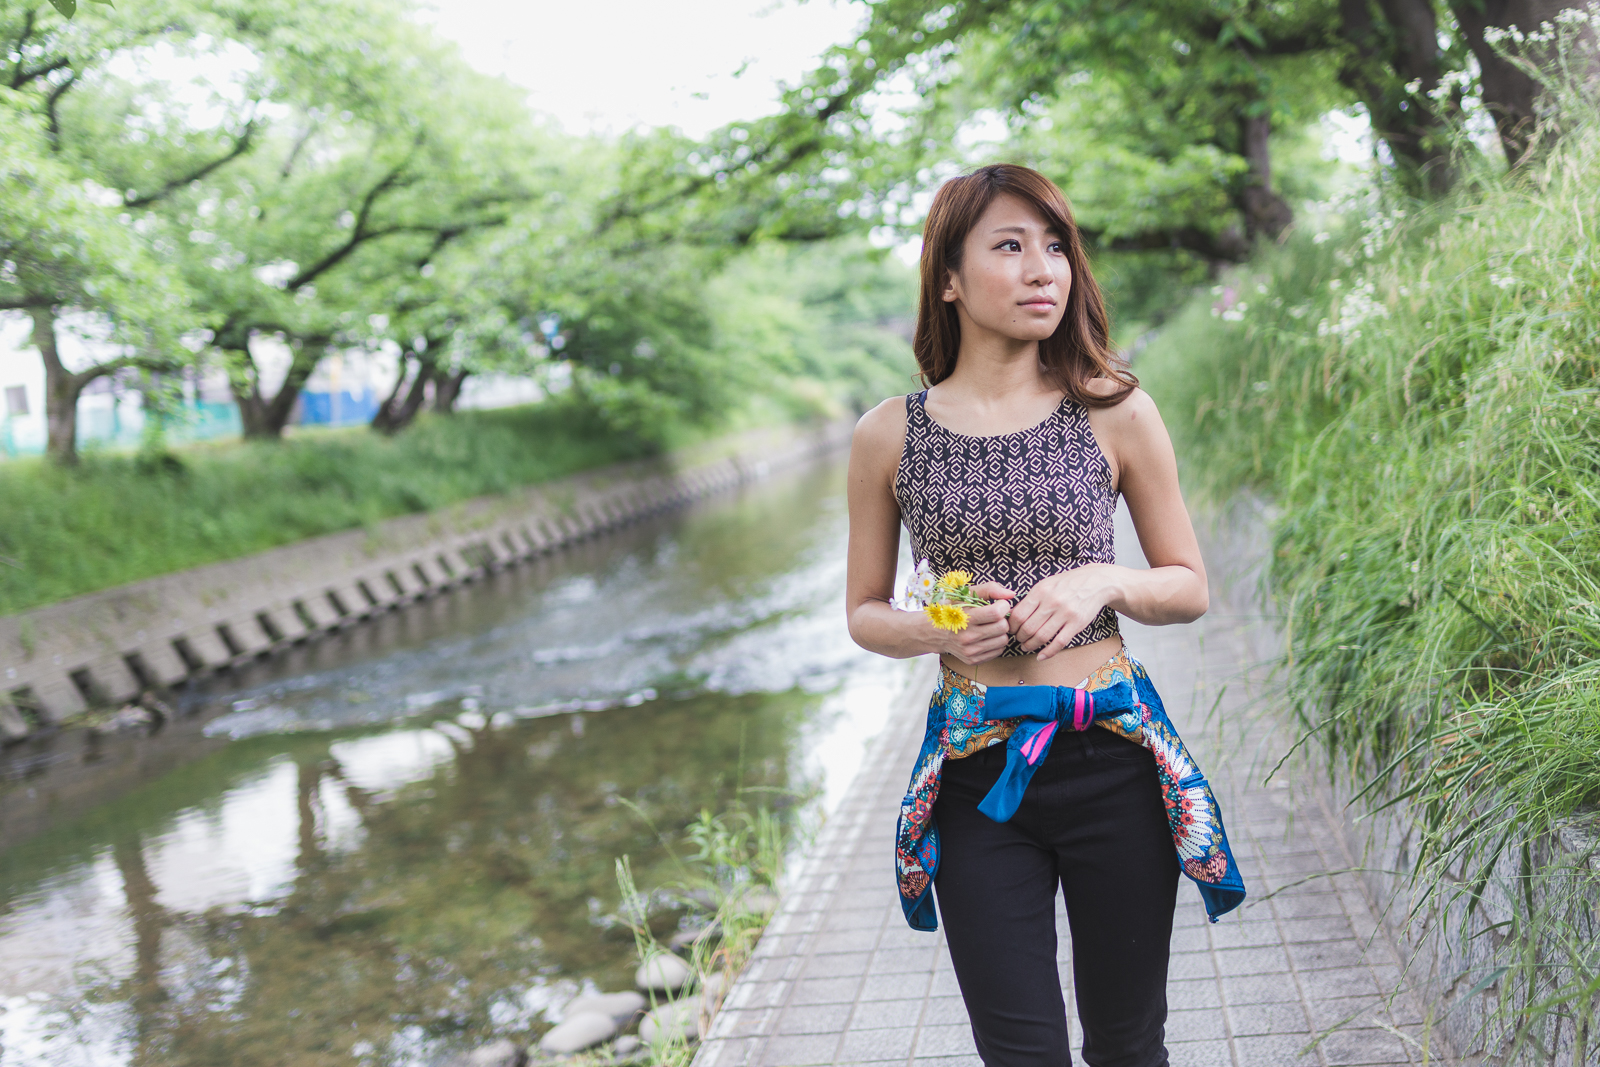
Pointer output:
x,y
881,433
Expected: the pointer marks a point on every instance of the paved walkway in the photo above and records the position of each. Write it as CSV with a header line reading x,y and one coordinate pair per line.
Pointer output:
x,y
839,978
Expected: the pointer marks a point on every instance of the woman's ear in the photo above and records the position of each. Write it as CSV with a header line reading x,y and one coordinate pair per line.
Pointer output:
x,y
951,294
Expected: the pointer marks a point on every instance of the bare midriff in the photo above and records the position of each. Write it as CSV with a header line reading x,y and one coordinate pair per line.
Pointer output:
x,y
1064,668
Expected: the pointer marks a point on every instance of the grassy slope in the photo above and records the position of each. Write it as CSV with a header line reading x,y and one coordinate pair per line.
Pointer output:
x,y
1419,396
117,520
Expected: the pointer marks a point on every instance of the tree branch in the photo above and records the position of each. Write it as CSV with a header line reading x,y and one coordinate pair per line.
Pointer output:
x,y
1227,247
359,234
21,77
53,129
241,145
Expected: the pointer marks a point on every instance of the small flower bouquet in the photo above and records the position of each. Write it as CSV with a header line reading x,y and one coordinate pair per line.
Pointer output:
x,y
944,599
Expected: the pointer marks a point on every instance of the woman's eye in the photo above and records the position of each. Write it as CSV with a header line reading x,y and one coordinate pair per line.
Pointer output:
x,y
1011,246
1055,246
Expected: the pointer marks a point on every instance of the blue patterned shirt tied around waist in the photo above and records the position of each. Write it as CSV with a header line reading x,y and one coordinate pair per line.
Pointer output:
x,y
965,716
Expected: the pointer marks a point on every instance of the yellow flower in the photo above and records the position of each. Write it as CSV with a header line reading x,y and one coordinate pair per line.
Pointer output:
x,y
947,617
956,580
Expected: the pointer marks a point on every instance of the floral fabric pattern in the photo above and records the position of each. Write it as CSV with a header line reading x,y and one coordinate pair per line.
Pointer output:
x,y
957,728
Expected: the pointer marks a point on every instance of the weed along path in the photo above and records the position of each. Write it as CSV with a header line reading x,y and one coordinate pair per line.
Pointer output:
x,y
399,843
839,978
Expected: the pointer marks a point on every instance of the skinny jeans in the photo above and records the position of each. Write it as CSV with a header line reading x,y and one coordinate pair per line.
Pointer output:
x,y
1093,822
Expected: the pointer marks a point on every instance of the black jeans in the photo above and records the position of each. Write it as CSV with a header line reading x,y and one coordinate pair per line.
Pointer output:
x,y
1093,822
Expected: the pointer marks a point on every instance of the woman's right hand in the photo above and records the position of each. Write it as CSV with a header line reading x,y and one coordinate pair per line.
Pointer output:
x,y
987,630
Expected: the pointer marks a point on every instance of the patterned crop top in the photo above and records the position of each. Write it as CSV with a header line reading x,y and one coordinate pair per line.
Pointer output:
x,y
1013,508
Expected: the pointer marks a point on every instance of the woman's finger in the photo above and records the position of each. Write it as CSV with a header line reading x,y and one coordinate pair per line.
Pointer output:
x,y
993,591
1056,643
1037,629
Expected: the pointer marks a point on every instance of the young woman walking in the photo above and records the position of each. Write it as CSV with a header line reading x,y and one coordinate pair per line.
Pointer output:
x,y
1048,760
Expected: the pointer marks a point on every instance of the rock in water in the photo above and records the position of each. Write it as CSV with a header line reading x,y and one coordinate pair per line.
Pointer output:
x,y
685,938
502,1053
622,1007
664,973
626,1045
578,1031
681,1018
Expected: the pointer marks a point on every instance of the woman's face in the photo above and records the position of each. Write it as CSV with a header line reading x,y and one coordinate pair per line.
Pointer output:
x,y
1014,277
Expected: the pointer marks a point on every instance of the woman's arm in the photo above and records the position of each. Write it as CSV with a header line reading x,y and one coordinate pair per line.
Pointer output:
x,y
1173,589
875,548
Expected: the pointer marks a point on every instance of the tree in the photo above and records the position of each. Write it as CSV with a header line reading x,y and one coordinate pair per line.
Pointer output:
x,y
64,252
72,241
391,151
1176,103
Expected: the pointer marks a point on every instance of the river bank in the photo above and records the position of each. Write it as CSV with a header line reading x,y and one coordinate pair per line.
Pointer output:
x,y
63,661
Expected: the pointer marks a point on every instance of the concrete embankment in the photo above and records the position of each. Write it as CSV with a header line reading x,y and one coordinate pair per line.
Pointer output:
x,y
107,648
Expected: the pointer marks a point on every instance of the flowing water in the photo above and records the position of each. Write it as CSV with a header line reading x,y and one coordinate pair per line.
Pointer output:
x,y
401,841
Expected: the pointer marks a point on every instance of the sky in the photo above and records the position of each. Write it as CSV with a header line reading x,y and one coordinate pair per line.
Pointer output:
x,y
608,67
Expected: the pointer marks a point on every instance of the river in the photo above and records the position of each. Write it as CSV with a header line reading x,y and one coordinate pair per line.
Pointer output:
x,y
390,846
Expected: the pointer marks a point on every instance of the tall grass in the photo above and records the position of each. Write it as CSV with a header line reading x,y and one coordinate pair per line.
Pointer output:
x,y
1416,389
119,518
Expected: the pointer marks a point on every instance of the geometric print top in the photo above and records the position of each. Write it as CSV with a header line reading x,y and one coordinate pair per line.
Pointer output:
x,y
1013,508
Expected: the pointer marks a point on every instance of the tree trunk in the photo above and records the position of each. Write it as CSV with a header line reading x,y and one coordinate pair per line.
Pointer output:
x,y
61,390
447,390
1509,93
1265,212
396,414
1383,62
262,416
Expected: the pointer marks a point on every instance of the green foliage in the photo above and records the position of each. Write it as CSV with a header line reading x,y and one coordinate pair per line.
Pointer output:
x,y
1419,397
118,519
730,882
58,246
831,321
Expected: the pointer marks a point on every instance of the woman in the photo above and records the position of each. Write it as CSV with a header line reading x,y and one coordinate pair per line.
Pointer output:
x,y
1008,467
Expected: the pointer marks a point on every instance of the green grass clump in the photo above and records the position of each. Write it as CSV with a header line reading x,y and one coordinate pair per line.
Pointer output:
x,y
118,518
1419,395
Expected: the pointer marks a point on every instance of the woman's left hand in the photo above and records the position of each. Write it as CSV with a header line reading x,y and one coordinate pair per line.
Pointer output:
x,y
1059,607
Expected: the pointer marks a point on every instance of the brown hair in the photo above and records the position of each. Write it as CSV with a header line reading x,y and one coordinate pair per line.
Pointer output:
x,y
1080,348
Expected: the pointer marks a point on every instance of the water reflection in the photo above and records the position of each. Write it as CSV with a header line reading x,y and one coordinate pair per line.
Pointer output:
x,y
400,842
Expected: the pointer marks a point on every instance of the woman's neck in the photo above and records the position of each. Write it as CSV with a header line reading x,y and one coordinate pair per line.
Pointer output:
x,y
995,370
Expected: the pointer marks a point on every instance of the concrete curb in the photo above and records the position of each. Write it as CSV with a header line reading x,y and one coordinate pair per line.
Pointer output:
x,y
106,648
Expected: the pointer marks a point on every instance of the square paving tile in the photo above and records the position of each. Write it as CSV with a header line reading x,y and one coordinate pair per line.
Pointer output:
x,y
891,987
1350,1048
812,1019
902,960
836,965
798,1051
1282,1050
1186,995
865,1046
884,1014
945,1041
1319,955
1198,1054
825,991
1254,1020
1260,959
1260,989
1204,1024
944,1011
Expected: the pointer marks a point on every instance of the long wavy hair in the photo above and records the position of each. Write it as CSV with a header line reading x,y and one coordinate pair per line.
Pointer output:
x,y
1080,348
